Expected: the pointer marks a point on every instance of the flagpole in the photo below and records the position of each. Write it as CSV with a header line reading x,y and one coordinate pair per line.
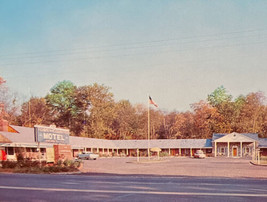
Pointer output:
x,y
148,130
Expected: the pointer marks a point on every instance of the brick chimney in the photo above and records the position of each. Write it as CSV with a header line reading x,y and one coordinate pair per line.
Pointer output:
x,y
3,123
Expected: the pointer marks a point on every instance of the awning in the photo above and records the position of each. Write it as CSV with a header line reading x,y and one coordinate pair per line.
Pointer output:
x,y
24,145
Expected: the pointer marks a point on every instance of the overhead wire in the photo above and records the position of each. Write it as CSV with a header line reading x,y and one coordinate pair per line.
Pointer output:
x,y
154,52
132,45
55,55
86,50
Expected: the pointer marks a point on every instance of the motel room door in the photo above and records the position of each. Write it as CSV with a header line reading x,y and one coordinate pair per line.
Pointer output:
x,y
234,151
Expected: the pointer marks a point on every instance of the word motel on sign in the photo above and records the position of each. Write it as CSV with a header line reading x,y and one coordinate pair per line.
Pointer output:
x,y
51,136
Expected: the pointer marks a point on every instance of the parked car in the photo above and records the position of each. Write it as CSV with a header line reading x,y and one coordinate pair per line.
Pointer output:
x,y
88,156
199,154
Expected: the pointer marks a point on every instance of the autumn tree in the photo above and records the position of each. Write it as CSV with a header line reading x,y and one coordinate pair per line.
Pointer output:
x,y
237,115
125,123
156,120
253,113
102,111
222,101
9,101
184,125
263,132
91,111
167,128
206,120
35,112
141,113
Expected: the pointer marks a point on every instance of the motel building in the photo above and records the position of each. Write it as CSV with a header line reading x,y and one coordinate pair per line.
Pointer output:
x,y
51,144
237,145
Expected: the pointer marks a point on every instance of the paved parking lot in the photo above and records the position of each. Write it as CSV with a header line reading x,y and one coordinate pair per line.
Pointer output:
x,y
209,167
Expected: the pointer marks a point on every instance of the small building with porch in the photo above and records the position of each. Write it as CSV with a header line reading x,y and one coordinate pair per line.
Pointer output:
x,y
235,144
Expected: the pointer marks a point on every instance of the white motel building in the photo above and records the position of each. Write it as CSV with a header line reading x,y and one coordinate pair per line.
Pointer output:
x,y
14,139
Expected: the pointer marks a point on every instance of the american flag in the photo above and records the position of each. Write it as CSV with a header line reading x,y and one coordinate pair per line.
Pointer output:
x,y
152,102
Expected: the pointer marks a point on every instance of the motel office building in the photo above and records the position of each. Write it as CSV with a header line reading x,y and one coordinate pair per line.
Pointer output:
x,y
22,139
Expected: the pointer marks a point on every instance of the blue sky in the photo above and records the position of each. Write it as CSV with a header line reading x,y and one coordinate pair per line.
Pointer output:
x,y
176,51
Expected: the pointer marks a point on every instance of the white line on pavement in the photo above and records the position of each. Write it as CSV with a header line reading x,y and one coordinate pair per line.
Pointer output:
x,y
133,192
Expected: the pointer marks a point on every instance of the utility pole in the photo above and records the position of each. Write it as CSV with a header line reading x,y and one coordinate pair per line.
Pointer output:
x,y
30,118
148,130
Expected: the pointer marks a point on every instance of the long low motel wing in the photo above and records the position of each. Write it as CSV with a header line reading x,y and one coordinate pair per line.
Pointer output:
x,y
22,139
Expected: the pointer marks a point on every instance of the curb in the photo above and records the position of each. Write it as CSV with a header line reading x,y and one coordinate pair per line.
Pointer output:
x,y
255,164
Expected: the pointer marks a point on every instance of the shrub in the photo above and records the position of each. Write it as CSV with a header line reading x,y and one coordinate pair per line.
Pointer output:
x,y
9,164
27,166
67,162
59,163
20,157
162,154
77,164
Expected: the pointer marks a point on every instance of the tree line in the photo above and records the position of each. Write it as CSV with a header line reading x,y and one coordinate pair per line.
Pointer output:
x,y
91,111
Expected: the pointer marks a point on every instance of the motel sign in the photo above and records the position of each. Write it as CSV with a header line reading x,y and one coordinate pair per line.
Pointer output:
x,y
47,134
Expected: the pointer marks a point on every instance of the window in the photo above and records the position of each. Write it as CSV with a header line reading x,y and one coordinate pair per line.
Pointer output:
x,y
208,150
247,150
10,151
222,150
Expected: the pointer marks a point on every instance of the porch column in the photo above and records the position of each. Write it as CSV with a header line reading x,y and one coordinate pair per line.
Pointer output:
x,y
215,154
127,152
191,152
254,149
137,155
169,151
103,151
117,151
241,149
108,151
180,152
97,150
259,157
228,149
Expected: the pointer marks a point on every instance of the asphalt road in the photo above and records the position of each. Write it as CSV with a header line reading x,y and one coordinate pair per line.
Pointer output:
x,y
109,187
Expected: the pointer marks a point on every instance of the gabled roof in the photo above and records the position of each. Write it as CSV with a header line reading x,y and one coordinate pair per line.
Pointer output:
x,y
82,142
253,136
79,142
163,143
263,142
27,134
216,136
24,137
3,139
12,129
236,137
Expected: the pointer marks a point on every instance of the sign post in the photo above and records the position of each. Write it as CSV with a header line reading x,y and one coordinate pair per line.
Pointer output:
x,y
39,154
